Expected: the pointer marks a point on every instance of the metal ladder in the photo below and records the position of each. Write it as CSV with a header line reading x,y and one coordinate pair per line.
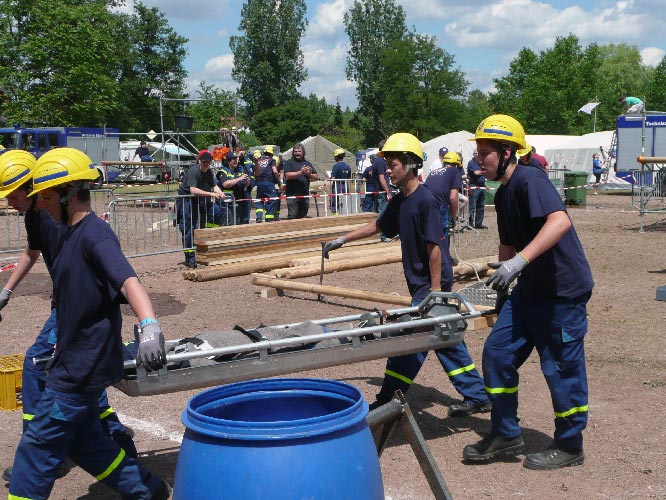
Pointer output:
x,y
609,157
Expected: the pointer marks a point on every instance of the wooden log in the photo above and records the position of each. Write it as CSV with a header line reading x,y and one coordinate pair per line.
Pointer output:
x,y
305,271
237,269
319,234
383,298
201,235
284,248
346,253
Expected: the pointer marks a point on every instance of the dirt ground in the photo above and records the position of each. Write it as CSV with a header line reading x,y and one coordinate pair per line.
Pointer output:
x,y
625,441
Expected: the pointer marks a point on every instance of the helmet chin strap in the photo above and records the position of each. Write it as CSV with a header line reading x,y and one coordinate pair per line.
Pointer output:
x,y
504,162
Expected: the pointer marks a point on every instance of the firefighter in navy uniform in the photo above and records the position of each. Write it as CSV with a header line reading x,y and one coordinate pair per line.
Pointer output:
x,y
341,170
414,214
245,205
233,181
266,175
546,310
91,278
15,182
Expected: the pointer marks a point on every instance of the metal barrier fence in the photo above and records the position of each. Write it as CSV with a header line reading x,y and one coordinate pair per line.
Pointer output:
x,y
153,225
343,196
12,231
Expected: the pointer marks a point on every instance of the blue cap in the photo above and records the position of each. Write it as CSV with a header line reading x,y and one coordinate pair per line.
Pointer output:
x,y
443,150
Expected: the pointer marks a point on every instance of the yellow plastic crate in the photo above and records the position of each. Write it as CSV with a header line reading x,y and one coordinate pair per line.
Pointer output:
x,y
11,370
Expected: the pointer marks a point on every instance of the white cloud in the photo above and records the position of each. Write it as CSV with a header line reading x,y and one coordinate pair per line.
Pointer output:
x,y
325,61
652,56
220,64
539,24
328,18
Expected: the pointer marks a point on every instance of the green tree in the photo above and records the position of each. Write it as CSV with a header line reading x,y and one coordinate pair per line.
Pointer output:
x,y
268,61
620,72
422,89
292,122
546,92
75,62
372,26
656,92
337,118
213,109
152,65
57,66
477,107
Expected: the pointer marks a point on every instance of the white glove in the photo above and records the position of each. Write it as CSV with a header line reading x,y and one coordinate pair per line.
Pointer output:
x,y
151,352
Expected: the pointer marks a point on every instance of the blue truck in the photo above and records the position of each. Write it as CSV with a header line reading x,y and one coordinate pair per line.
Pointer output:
x,y
98,143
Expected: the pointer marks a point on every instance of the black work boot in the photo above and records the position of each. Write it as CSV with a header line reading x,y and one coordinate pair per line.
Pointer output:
x,y
493,446
467,408
554,458
7,474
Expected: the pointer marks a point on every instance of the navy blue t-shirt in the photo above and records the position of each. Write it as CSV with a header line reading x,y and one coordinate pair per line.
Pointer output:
x,y
522,206
379,170
341,170
300,186
416,219
475,180
441,181
88,273
43,234
370,179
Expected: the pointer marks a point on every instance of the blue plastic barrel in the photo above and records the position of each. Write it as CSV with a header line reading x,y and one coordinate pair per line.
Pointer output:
x,y
278,439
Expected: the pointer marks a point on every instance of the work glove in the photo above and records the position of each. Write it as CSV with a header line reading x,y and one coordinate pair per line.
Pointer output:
x,y
4,297
333,245
151,353
507,272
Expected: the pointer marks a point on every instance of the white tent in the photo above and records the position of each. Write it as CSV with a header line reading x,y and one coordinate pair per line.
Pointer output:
x,y
454,141
576,154
545,142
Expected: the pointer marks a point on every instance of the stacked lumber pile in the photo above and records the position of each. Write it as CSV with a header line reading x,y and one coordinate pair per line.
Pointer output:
x,y
241,250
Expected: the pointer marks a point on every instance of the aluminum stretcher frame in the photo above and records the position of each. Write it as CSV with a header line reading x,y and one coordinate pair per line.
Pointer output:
x,y
269,364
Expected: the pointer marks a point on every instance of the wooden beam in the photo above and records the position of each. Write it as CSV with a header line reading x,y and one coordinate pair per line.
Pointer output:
x,y
383,298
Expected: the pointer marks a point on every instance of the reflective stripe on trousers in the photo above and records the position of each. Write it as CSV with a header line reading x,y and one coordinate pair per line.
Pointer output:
x,y
556,328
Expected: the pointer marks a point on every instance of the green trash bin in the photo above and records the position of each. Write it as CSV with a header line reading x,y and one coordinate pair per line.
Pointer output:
x,y
491,187
575,192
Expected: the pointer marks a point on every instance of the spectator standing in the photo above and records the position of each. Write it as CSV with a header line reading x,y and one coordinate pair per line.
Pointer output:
x,y
142,152
197,209
91,278
371,188
233,182
631,105
298,172
245,205
477,193
597,170
546,309
540,159
413,213
266,174
341,170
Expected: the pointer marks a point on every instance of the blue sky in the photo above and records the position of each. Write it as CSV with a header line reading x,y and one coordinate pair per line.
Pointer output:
x,y
483,36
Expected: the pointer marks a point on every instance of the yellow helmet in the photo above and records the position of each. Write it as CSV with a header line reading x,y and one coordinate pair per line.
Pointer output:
x,y
256,154
16,168
453,158
524,151
501,128
403,142
269,150
338,152
62,166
